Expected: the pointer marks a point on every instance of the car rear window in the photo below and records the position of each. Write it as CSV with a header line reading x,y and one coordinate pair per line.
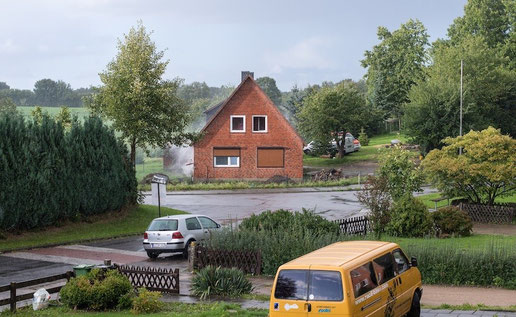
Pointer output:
x,y
292,284
163,225
325,286
322,286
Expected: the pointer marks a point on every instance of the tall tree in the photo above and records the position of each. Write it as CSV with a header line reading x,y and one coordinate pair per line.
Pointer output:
x,y
489,93
268,85
394,65
142,105
487,18
334,110
195,90
4,86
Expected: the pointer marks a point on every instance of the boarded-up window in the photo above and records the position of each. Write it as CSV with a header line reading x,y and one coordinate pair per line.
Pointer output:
x,y
271,157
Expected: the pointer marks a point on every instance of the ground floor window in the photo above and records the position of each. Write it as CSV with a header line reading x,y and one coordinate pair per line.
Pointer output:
x,y
271,157
226,157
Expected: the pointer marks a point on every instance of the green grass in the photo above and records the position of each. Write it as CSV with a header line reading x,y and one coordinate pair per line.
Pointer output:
x,y
366,153
511,308
426,199
217,309
151,165
253,185
80,112
386,138
115,224
477,242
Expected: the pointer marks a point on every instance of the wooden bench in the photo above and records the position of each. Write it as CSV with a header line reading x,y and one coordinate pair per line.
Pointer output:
x,y
436,200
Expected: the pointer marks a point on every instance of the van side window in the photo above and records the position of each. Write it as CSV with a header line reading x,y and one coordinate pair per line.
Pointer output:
x,y
325,286
384,268
363,279
292,284
401,261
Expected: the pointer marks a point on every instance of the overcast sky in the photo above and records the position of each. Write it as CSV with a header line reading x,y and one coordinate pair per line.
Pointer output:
x,y
295,42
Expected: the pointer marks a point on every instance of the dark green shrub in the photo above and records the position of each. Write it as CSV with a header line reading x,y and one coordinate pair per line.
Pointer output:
x,y
452,221
220,281
292,221
98,290
49,175
147,302
363,138
409,218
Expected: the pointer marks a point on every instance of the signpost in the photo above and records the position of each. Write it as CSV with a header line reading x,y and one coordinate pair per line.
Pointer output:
x,y
157,180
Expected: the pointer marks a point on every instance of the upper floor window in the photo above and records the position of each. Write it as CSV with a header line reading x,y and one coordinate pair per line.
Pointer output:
x,y
259,123
237,124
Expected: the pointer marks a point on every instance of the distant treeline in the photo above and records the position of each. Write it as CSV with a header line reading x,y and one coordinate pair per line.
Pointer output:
x,y
47,93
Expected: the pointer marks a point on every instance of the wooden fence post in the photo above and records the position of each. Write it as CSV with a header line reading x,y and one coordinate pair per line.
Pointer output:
x,y
259,265
13,297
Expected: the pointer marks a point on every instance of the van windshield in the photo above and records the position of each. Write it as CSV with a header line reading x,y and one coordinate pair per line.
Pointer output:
x,y
311,285
163,225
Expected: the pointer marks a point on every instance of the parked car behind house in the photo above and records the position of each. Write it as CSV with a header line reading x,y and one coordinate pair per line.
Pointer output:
x,y
172,234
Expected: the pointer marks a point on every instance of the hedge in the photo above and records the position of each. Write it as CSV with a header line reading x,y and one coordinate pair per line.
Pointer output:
x,y
49,174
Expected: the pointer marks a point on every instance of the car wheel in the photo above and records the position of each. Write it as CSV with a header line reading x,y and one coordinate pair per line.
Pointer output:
x,y
152,255
187,246
415,308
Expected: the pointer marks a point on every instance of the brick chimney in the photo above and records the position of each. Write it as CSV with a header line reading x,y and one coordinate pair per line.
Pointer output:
x,y
246,73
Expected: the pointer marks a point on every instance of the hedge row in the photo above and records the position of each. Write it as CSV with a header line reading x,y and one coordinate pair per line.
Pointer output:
x,y
49,174
493,266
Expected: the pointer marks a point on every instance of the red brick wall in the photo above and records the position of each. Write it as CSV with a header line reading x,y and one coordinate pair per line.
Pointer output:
x,y
249,100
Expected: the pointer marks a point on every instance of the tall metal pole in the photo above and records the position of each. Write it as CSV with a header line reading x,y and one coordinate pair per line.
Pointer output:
x,y
159,201
460,124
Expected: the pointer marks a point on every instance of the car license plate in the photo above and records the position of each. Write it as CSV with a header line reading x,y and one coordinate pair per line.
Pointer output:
x,y
158,245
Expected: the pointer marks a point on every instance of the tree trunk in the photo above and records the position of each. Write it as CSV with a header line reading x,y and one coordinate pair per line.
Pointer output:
x,y
133,152
341,151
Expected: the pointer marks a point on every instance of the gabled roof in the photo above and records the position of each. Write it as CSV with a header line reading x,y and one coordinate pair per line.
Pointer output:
x,y
225,102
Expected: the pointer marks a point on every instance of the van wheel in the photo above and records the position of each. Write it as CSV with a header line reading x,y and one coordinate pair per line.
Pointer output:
x,y
415,308
187,246
152,255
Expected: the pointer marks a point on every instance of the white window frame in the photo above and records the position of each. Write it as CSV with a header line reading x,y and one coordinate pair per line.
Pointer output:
x,y
266,123
231,123
229,161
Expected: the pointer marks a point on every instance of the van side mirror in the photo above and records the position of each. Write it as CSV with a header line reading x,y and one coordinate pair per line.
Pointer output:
x,y
218,225
413,261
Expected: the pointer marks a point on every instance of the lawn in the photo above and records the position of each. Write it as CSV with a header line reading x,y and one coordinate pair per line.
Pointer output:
x,y
366,153
430,204
151,165
171,309
115,224
478,242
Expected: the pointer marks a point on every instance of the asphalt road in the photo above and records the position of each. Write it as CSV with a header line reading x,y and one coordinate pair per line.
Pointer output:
x,y
226,205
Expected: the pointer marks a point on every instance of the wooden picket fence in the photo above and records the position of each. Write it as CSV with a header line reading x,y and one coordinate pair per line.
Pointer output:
x,y
250,262
502,213
354,226
14,287
154,279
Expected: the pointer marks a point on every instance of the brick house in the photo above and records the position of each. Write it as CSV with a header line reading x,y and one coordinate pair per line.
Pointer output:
x,y
247,137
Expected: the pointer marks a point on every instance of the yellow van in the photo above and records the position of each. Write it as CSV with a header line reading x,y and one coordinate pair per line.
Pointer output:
x,y
354,278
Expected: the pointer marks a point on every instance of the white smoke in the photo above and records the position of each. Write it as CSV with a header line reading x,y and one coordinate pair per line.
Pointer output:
x,y
181,160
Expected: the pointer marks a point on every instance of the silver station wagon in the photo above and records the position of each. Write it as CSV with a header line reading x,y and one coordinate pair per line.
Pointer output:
x,y
172,234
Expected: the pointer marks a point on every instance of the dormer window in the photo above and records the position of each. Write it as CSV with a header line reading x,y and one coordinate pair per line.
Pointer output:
x,y
237,124
260,123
